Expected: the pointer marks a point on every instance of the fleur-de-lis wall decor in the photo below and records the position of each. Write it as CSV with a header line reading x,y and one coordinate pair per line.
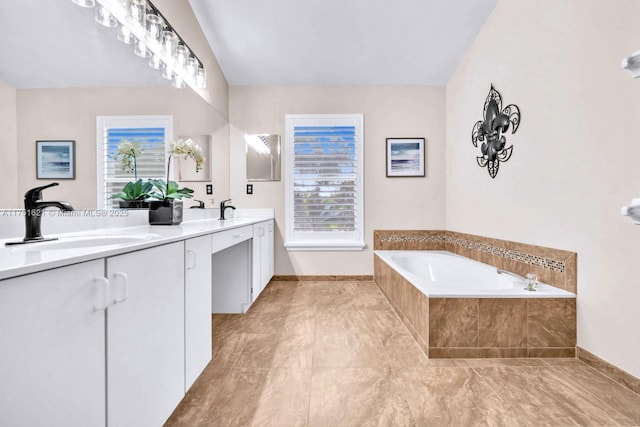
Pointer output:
x,y
490,132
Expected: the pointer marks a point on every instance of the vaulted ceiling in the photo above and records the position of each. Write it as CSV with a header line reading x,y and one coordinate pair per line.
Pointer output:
x,y
54,43
340,42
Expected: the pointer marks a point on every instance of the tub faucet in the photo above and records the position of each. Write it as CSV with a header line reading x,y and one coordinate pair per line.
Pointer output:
x,y
33,213
224,207
530,281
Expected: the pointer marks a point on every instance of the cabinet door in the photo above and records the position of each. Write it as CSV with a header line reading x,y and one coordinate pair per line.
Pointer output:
x,y
266,255
256,260
262,264
52,363
145,335
197,291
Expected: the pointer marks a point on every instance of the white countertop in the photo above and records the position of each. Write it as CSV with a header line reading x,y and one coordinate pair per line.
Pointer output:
x,y
28,258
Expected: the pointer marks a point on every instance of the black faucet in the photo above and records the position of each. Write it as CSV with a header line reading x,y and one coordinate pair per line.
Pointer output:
x,y
200,204
224,207
33,213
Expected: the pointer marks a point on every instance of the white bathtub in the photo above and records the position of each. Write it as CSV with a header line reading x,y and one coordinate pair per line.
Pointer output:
x,y
443,274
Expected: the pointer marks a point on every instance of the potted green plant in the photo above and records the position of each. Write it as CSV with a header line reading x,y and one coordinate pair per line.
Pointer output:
x,y
134,195
165,204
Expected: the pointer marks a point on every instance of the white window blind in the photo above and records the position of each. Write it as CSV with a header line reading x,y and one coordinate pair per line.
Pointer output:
x,y
153,133
324,182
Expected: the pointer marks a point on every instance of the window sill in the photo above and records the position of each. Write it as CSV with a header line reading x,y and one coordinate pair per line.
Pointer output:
x,y
324,246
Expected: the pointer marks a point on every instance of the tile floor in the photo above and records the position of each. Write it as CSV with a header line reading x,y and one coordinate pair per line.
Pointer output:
x,y
336,354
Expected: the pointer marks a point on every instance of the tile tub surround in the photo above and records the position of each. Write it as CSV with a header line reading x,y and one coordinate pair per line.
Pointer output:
x,y
481,327
553,266
335,354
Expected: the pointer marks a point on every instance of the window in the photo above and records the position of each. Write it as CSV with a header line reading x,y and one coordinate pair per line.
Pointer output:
x,y
324,198
153,133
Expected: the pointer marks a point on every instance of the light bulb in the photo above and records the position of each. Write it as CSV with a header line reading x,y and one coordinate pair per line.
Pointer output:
x,y
167,73
180,55
85,3
154,28
169,42
178,82
126,36
137,11
141,49
201,78
155,62
104,18
190,68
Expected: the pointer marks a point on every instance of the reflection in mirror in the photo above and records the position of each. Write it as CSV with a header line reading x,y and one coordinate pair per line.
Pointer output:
x,y
184,170
59,72
263,157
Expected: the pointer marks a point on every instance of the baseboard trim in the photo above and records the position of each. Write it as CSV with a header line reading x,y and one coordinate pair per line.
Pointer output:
x,y
607,369
327,278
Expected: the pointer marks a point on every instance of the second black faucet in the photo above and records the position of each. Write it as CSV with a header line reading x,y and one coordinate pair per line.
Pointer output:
x,y
224,207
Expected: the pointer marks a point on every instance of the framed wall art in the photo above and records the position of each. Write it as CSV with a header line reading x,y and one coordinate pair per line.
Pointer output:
x,y
405,157
55,159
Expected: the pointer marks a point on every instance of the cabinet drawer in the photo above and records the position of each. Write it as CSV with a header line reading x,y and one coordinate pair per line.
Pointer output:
x,y
224,239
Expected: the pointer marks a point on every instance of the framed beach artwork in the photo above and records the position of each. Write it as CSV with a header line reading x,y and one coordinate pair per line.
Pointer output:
x,y
55,159
405,157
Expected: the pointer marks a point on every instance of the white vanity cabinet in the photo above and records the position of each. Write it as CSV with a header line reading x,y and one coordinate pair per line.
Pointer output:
x,y
145,335
197,293
118,340
52,362
263,256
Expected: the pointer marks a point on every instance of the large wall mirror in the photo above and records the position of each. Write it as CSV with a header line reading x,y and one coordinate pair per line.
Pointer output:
x,y
62,70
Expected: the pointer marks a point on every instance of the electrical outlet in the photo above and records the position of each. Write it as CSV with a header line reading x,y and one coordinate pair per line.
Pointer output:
x,y
209,189
249,188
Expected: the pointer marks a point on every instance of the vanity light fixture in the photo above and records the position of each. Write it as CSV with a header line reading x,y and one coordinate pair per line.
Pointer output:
x,y
632,63
143,26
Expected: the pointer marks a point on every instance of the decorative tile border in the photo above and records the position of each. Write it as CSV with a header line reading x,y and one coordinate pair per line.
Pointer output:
x,y
412,238
403,237
510,254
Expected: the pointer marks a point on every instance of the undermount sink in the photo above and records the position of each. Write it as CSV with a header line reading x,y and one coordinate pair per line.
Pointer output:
x,y
79,242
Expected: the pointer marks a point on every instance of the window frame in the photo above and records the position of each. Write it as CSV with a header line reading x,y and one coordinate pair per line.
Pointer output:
x,y
106,122
324,241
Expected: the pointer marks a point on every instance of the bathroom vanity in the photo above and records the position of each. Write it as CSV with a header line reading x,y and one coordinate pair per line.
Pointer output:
x,y
115,334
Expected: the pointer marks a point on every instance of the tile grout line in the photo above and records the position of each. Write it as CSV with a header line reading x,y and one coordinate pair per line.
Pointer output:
x,y
608,377
313,353
563,378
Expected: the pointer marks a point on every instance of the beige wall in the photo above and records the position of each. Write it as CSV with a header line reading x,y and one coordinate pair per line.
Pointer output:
x,y
576,154
8,146
71,114
389,202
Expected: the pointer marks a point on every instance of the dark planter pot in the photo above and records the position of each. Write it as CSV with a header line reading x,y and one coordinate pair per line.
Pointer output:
x,y
133,204
165,213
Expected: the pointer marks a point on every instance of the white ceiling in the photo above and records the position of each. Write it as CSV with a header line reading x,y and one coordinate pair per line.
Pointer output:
x,y
340,42
54,43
